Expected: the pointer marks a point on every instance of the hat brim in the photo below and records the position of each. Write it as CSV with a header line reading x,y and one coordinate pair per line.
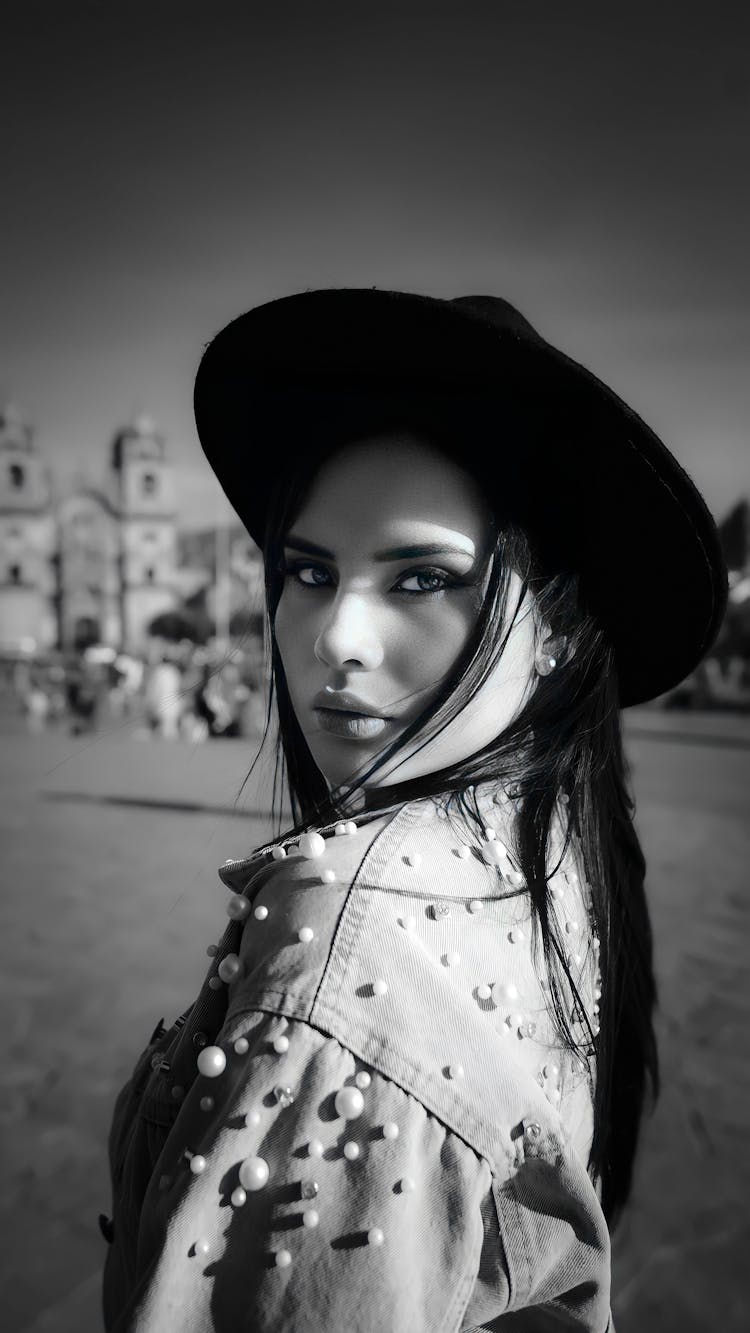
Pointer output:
x,y
553,447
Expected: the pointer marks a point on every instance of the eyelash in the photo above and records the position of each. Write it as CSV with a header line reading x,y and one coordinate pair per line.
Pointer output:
x,y
293,568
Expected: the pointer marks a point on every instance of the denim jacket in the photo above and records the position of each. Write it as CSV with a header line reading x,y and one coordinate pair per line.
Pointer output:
x,y
366,1123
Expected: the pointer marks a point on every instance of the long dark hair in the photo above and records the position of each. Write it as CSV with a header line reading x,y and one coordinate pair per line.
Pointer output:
x,y
566,744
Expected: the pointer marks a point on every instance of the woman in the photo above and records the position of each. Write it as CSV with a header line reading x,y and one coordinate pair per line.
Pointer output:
x,y
409,1094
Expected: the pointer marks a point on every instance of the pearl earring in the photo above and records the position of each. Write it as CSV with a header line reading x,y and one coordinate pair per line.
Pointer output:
x,y
548,656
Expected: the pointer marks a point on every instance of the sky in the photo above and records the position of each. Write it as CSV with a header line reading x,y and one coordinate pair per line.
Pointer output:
x,y
167,165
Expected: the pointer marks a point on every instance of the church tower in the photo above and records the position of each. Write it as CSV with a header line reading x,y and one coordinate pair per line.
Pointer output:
x,y
144,498
27,583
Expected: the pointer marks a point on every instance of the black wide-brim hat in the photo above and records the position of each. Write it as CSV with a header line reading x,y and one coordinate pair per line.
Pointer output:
x,y
553,448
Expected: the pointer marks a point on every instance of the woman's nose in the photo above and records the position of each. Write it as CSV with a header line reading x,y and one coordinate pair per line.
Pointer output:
x,y
349,636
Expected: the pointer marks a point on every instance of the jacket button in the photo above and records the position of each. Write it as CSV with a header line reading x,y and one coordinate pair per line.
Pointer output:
x,y
532,1130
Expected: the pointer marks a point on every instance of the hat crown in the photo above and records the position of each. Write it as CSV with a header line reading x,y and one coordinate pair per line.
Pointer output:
x,y
498,312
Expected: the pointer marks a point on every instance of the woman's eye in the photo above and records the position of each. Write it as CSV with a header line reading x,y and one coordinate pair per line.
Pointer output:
x,y
295,571
429,582
431,577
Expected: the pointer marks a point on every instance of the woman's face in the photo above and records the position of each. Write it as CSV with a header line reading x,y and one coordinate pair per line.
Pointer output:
x,y
386,568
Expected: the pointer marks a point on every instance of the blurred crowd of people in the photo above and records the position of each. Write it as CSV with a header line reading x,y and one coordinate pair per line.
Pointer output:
x,y
178,692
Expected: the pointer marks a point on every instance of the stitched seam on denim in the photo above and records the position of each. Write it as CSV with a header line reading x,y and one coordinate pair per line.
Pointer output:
x,y
398,1067
415,1096
369,858
458,1306
353,913
269,1001
520,1229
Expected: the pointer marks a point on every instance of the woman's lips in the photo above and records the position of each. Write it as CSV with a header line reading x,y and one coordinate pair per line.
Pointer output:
x,y
355,726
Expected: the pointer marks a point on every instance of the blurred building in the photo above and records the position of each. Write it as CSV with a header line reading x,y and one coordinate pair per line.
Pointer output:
x,y
97,564
27,538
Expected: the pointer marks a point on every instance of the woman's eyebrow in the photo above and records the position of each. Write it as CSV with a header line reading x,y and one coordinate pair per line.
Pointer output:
x,y
395,553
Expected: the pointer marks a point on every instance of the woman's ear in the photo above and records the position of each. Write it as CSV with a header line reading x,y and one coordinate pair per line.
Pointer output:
x,y
551,650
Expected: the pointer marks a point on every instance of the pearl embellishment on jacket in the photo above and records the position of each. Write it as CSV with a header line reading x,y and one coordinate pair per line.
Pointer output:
x,y
283,1258
281,1045
211,1062
375,1236
238,907
380,987
230,967
351,1151
310,1217
254,1173
241,1046
493,852
504,990
311,845
261,912
390,1130
238,1197
305,935
349,1103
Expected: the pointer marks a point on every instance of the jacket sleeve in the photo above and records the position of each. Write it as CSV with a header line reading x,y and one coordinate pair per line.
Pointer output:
x,y
354,1213
545,1255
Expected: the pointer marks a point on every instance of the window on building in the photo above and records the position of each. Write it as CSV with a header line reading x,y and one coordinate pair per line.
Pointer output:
x,y
149,483
150,574
17,476
15,573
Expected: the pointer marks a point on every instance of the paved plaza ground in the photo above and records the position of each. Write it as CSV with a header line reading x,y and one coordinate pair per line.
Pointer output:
x,y
110,895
